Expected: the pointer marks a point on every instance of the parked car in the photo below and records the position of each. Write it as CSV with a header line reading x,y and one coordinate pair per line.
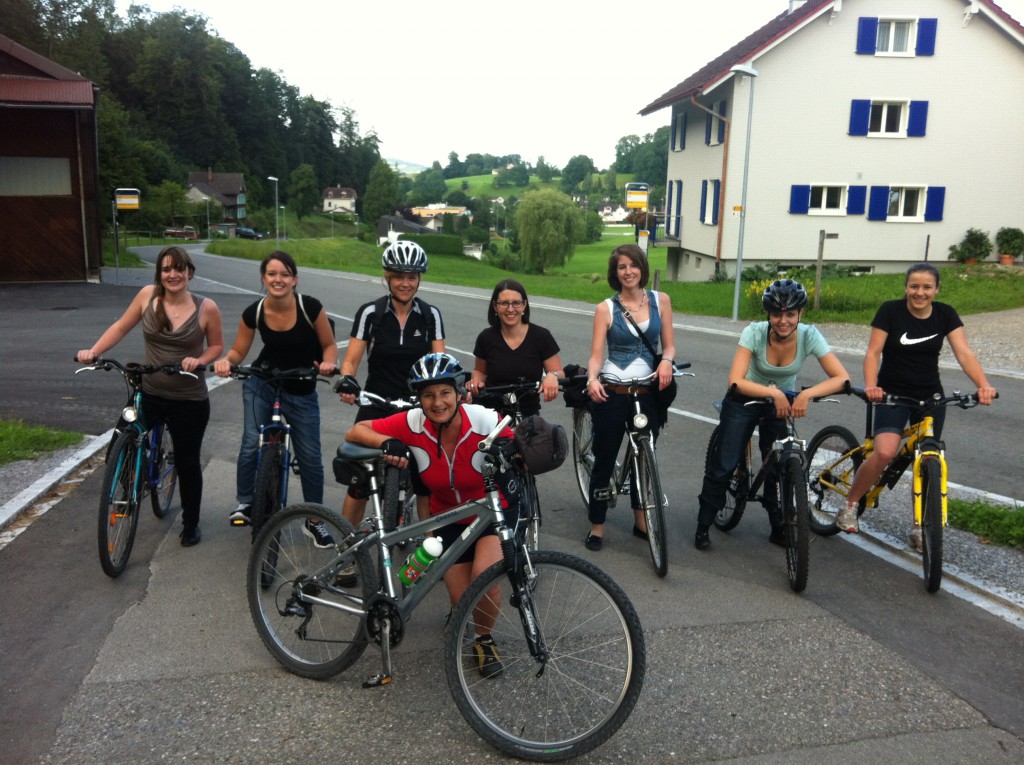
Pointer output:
x,y
247,233
185,232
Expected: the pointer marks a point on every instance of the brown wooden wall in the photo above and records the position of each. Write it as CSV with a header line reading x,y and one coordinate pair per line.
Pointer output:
x,y
51,238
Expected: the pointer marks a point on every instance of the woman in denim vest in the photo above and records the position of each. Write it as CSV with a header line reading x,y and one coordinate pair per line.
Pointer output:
x,y
627,357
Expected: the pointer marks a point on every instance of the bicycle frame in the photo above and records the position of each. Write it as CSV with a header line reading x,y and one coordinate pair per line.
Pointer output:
x,y
278,424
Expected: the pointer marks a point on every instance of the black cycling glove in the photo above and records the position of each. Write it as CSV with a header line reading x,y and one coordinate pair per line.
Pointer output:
x,y
394,448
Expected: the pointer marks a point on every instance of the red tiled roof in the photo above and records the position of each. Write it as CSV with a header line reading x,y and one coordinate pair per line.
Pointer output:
x,y
781,26
28,78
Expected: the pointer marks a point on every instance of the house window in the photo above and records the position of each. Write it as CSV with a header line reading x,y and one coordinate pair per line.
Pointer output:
x,y
35,177
896,36
827,200
886,118
714,126
905,203
709,191
679,131
673,209
893,37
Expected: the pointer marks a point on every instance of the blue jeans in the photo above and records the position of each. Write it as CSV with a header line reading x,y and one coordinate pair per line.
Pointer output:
x,y
737,425
303,414
609,421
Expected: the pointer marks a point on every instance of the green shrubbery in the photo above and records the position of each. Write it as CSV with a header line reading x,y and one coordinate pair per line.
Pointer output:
x,y
994,524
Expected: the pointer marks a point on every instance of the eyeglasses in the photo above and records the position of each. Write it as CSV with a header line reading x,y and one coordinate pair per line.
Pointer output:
x,y
506,304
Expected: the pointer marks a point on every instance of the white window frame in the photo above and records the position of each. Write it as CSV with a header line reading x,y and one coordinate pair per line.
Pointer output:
x,y
822,209
707,213
899,190
911,50
679,131
886,104
716,120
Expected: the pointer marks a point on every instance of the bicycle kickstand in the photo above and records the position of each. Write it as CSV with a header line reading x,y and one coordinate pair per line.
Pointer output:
x,y
384,677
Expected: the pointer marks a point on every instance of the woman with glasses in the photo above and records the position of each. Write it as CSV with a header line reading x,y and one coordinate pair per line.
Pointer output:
x,y
512,348
178,327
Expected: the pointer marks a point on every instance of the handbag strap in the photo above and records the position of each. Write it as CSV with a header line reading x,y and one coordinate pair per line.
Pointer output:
x,y
631,320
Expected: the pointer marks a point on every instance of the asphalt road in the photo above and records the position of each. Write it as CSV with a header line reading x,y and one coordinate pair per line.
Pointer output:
x,y
164,664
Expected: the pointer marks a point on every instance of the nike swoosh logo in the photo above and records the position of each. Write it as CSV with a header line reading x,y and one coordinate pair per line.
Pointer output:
x,y
908,341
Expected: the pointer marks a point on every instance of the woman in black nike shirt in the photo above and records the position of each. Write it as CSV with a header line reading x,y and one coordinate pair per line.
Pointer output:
x,y
903,358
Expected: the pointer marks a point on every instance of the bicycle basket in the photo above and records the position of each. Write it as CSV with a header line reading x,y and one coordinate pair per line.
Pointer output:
x,y
542,444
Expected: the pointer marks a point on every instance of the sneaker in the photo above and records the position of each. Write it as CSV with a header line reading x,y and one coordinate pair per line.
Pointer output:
x,y
347,576
240,516
317,531
702,540
914,539
190,536
487,656
846,519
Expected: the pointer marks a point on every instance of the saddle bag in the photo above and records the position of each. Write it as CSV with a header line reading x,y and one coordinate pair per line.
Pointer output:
x,y
543,445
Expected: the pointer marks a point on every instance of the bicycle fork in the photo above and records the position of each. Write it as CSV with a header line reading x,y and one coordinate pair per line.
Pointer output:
x,y
929,449
521,577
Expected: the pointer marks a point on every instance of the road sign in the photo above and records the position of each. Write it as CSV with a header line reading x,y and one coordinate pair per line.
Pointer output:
x,y
127,199
637,194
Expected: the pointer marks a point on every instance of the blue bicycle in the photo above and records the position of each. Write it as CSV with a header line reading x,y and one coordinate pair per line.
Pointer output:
x,y
139,460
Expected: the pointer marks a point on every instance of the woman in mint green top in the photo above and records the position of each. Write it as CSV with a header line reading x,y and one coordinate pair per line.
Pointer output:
x,y
767,362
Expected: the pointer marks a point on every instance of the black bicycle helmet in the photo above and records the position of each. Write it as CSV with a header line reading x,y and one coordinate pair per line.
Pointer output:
x,y
435,368
404,257
784,295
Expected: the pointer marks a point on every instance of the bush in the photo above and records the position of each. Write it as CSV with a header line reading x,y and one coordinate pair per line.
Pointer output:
x,y
993,524
1010,241
437,244
975,245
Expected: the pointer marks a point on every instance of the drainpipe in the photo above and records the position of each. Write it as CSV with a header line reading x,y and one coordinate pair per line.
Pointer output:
x,y
721,190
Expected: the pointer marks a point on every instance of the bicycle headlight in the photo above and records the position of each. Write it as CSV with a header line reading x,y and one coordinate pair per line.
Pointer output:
x,y
639,420
128,414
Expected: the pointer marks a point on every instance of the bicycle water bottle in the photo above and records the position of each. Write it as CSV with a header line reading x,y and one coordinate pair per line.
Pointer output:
x,y
420,561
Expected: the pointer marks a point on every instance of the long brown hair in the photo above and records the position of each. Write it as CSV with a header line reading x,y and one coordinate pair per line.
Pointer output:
x,y
178,256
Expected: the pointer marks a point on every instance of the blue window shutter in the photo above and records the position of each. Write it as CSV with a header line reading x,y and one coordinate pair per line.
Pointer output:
x,y
715,202
878,204
668,205
799,199
926,37
672,140
860,116
856,198
707,129
682,132
721,125
867,34
935,203
679,208
703,200
918,119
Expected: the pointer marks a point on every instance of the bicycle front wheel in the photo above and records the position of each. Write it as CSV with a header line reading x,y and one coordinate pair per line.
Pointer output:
x,y
593,668
583,451
531,512
739,485
652,501
286,571
931,521
833,457
796,514
267,499
119,504
163,471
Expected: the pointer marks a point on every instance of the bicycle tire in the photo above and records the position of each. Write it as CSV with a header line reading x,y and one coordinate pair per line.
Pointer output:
x,y
583,451
596,663
796,515
652,499
161,493
531,508
309,640
267,499
931,521
736,495
391,497
119,505
836,450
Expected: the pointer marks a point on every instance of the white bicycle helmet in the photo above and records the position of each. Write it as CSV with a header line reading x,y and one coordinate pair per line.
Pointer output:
x,y
404,257
435,368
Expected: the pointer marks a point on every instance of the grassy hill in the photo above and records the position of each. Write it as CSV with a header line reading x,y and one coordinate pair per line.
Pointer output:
x,y
483,185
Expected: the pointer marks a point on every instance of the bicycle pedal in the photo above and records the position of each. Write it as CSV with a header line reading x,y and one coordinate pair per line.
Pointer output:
x,y
239,522
377,681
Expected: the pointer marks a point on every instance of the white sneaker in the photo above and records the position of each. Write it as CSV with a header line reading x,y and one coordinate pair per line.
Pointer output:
x,y
240,516
846,519
317,531
914,539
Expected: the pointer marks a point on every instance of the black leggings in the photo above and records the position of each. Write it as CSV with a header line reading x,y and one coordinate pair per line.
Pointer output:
x,y
186,422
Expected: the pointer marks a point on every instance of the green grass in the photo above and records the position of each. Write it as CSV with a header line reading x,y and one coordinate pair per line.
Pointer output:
x,y
992,524
19,441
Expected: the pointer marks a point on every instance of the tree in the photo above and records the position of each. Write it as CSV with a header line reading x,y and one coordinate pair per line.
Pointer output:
x,y
545,172
382,194
457,198
576,171
427,188
303,191
651,162
625,152
548,224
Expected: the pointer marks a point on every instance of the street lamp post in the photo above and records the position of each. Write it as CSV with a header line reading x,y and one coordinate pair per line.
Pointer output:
x,y
208,237
285,216
748,70
277,225
331,213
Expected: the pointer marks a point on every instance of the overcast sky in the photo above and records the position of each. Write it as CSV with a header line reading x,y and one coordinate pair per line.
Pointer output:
x,y
551,78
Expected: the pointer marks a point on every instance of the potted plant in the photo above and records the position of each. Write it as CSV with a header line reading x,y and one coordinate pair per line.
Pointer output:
x,y
1009,245
973,247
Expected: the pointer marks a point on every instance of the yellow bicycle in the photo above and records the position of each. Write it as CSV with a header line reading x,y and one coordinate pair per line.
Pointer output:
x,y
834,454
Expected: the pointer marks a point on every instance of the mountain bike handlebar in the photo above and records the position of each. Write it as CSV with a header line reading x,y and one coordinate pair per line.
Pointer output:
x,y
962,400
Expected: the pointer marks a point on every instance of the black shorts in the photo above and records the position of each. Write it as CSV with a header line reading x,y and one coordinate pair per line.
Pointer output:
x,y
894,419
448,534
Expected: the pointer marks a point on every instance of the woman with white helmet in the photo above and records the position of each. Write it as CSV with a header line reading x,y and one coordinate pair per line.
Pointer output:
x,y
767,362
394,331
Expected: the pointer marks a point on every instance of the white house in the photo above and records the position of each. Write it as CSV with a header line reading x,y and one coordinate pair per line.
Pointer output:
x,y
895,126
339,199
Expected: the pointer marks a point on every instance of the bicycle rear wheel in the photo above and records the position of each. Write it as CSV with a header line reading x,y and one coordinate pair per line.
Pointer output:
x,y
739,485
652,500
119,504
267,499
583,451
316,640
594,669
931,521
163,471
833,457
796,514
